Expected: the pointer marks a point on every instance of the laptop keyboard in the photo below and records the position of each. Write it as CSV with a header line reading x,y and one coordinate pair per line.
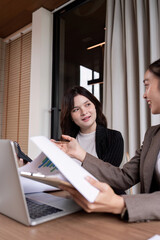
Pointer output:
x,y
37,210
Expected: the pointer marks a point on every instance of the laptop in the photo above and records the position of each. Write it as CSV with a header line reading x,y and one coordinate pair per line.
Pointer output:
x,y
29,209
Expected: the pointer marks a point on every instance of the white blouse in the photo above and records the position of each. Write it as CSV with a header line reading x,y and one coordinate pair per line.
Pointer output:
x,y
88,142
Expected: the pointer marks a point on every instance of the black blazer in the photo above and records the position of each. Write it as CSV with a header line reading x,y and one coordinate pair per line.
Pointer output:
x,y
109,145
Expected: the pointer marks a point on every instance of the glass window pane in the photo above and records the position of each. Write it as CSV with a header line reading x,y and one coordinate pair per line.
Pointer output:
x,y
74,63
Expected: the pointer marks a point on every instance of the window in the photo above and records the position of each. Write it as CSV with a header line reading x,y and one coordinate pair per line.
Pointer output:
x,y
78,42
87,76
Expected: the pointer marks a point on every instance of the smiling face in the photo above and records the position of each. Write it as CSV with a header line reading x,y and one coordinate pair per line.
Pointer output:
x,y
84,114
152,91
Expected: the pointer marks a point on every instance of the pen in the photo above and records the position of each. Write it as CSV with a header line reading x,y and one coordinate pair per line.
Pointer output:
x,y
60,141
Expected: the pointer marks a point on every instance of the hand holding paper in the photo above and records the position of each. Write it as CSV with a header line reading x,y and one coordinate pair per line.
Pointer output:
x,y
74,173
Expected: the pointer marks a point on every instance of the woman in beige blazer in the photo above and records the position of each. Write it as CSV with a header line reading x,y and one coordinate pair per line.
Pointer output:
x,y
144,167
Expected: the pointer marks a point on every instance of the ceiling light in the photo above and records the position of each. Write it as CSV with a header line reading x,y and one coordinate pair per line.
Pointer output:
x,y
97,45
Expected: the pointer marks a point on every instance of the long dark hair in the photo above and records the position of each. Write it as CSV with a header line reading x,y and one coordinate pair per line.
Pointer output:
x,y
68,126
155,68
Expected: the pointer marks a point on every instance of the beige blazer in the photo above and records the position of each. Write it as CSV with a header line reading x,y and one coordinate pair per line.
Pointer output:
x,y
143,206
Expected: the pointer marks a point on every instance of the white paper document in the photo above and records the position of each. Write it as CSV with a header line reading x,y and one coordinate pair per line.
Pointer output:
x,y
31,186
69,169
41,164
155,237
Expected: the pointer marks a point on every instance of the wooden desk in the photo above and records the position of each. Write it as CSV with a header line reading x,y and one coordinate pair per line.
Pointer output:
x,y
79,226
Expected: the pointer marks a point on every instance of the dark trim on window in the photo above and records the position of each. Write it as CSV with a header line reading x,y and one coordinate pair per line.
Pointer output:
x,y
55,67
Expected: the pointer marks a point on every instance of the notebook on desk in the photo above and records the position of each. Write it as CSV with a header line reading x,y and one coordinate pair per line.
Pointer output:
x,y
29,209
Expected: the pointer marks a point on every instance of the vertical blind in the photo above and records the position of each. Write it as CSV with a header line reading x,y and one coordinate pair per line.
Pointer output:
x,y
17,90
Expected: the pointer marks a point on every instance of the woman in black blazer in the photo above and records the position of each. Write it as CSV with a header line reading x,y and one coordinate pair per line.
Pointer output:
x,y
81,115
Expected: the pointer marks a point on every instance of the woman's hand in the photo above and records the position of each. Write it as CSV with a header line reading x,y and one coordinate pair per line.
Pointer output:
x,y
71,147
106,201
20,162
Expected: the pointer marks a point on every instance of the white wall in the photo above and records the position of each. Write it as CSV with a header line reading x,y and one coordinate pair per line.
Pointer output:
x,y
41,77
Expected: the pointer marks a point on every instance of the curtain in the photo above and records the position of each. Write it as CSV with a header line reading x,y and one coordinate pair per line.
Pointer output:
x,y
2,56
132,42
17,90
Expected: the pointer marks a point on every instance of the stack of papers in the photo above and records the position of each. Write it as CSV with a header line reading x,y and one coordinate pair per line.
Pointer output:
x,y
53,167
31,186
